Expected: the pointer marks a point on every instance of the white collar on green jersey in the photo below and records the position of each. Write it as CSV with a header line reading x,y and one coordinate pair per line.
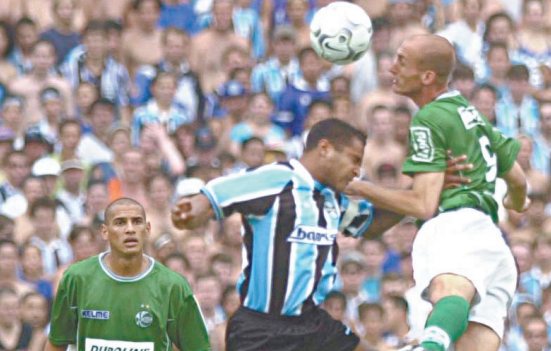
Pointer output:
x,y
125,279
448,94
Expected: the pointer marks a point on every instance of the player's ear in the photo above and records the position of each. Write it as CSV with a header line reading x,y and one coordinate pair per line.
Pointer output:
x,y
324,147
104,232
428,77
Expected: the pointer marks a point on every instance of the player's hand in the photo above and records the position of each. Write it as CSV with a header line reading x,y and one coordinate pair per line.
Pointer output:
x,y
455,165
507,203
181,213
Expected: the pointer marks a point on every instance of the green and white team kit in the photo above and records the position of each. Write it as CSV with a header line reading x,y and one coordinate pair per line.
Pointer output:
x,y
451,122
100,311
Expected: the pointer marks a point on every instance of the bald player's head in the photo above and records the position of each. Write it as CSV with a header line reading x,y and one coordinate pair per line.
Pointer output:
x,y
433,53
125,201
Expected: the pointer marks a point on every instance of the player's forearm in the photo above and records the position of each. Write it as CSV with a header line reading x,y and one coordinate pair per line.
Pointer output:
x,y
516,188
404,202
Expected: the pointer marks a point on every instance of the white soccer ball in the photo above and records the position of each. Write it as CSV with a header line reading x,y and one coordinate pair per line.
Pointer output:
x,y
341,32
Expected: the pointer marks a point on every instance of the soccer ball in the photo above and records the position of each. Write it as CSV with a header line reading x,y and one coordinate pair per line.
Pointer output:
x,y
341,32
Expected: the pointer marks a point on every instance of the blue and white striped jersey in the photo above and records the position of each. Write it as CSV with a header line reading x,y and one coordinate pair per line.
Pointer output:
x,y
290,223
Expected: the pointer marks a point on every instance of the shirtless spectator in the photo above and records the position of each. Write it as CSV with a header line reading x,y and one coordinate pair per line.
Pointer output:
x,y
62,34
404,21
380,143
141,44
296,11
40,77
8,269
8,71
132,181
208,47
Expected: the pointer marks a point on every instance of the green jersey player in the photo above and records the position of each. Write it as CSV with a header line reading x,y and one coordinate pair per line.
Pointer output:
x,y
122,300
461,262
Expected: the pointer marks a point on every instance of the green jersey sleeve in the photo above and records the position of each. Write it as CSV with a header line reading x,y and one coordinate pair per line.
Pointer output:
x,y
186,329
427,144
64,321
506,149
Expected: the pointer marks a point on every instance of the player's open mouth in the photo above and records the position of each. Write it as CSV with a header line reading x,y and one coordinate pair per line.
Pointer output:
x,y
130,242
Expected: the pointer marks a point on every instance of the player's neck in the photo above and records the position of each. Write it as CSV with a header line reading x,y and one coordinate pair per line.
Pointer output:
x,y
429,95
126,266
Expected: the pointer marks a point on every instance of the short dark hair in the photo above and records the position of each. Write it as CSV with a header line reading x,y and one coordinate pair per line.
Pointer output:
x,y
95,26
305,51
486,86
400,302
336,295
462,71
68,122
251,140
366,307
104,102
43,202
336,131
138,3
320,102
113,25
25,21
518,72
122,201
77,231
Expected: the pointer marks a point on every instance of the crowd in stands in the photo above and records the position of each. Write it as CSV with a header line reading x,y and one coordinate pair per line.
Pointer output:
x,y
151,99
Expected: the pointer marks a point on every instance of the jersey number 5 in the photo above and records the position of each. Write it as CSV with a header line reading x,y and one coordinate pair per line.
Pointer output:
x,y
489,157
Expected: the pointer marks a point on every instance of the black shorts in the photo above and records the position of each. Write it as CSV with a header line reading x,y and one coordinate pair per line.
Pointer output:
x,y
250,330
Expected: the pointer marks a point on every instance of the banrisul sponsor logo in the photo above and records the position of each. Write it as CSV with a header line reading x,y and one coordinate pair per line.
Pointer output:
x,y
117,345
94,314
313,235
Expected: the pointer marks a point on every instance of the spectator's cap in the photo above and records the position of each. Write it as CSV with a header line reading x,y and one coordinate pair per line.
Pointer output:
x,y
72,164
205,139
189,187
6,134
46,167
10,101
35,135
353,257
284,31
50,94
231,89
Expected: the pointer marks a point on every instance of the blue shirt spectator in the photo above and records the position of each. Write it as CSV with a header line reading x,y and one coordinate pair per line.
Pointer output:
x,y
180,15
63,42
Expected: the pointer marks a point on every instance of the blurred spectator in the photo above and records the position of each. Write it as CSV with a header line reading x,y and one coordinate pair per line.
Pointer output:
x,y
85,95
404,22
402,119
194,249
273,75
352,273
132,179
335,305
466,34
15,334
516,110
159,152
534,46
53,113
93,147
69,137
159,192
41,76
11,116
8,271
62,34
484,98
257,123
7,136
397,326
310,86
15,166
499,65
537,181
97,199
542,140
230,303
114,32
141,44
380,143
35,311
36,144
523,311
208,47
8,70
26,35
92,64
463,79
372,322
162,109
72,194
296,12
18,206
32,270
175,49
536,335
538,277
208,291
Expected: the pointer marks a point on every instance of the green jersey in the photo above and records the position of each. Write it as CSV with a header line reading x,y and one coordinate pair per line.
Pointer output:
x,y
100,311
451,122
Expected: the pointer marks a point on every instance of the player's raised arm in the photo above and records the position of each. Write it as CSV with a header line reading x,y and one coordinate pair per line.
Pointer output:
x,y
516,198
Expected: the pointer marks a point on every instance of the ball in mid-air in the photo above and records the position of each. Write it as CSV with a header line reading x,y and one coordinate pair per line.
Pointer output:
x,y
341,32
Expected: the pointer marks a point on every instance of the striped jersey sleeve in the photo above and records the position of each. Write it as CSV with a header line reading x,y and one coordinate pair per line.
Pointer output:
x,y
250,193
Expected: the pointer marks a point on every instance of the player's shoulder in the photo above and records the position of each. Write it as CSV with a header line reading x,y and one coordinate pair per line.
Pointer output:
x,y
170,279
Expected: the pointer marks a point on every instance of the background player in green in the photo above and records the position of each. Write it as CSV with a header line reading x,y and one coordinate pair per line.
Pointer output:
x,y
459,257
122,299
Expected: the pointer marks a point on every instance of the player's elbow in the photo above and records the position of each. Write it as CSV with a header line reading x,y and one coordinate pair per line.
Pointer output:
x,y
426,211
